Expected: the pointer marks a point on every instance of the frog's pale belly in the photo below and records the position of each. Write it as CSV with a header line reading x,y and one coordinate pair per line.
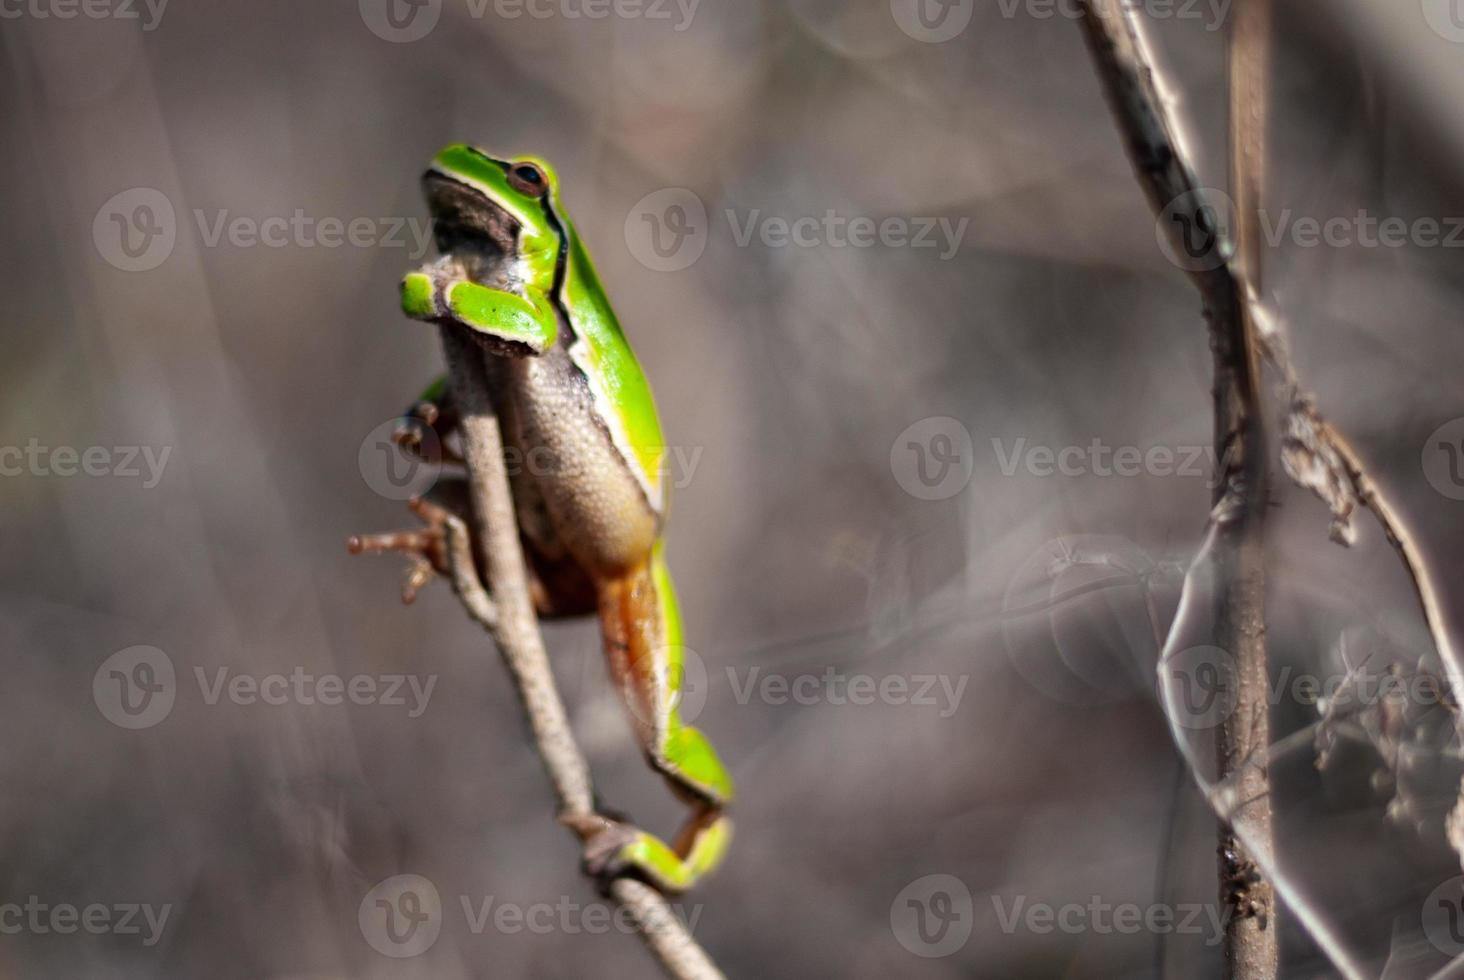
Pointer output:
x,y
594,505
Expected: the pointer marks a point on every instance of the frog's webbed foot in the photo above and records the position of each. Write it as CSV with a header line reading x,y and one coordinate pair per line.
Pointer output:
x,y
615,849
443,546
605,843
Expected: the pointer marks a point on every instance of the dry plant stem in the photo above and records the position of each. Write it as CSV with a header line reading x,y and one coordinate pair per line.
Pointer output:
x,y
1316,455
1343,465
516,630
1244,738
1350,484
509,617
1238,513
1340,476
1395,529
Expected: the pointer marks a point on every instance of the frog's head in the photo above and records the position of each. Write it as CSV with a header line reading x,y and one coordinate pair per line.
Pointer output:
x,y
497,212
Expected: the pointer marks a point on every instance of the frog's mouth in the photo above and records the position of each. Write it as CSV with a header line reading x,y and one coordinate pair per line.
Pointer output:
x,y
472,228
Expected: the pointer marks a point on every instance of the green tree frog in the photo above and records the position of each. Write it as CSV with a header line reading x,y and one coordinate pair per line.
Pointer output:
x,y
587,475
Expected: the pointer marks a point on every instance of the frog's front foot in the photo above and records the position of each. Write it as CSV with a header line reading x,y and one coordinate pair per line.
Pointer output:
x,y
423,430
416,430
426,547
444,546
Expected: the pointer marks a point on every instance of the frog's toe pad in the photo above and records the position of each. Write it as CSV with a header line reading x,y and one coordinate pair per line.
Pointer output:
x,y
606,855
415,435
419,296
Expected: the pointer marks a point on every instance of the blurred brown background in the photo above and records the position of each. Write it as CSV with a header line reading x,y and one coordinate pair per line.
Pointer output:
x,y
790,373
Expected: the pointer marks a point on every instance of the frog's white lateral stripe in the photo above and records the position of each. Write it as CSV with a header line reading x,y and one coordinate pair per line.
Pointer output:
x,y
483,189
579,352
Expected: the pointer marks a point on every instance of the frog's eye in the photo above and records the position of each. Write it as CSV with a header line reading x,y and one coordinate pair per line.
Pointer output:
x,y
528,179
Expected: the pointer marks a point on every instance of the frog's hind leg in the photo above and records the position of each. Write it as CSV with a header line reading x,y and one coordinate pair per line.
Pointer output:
x,y
642,630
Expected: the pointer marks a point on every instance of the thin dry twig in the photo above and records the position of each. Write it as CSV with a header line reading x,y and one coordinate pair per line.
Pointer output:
x,y
1314,453
1251,945
509,618
1237,517
1322,459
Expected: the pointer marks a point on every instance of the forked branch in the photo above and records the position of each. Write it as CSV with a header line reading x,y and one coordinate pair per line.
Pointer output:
x,y
1313,452
1236,548
509,618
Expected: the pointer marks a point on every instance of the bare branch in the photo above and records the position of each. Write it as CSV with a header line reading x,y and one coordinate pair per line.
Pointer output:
x,y
1237,519
510,618
1251,933
1314,453
1320,458
465,580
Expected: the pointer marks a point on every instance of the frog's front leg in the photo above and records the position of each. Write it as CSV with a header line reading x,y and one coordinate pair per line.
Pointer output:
x,y
443,546
424,427
505,323
642,627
